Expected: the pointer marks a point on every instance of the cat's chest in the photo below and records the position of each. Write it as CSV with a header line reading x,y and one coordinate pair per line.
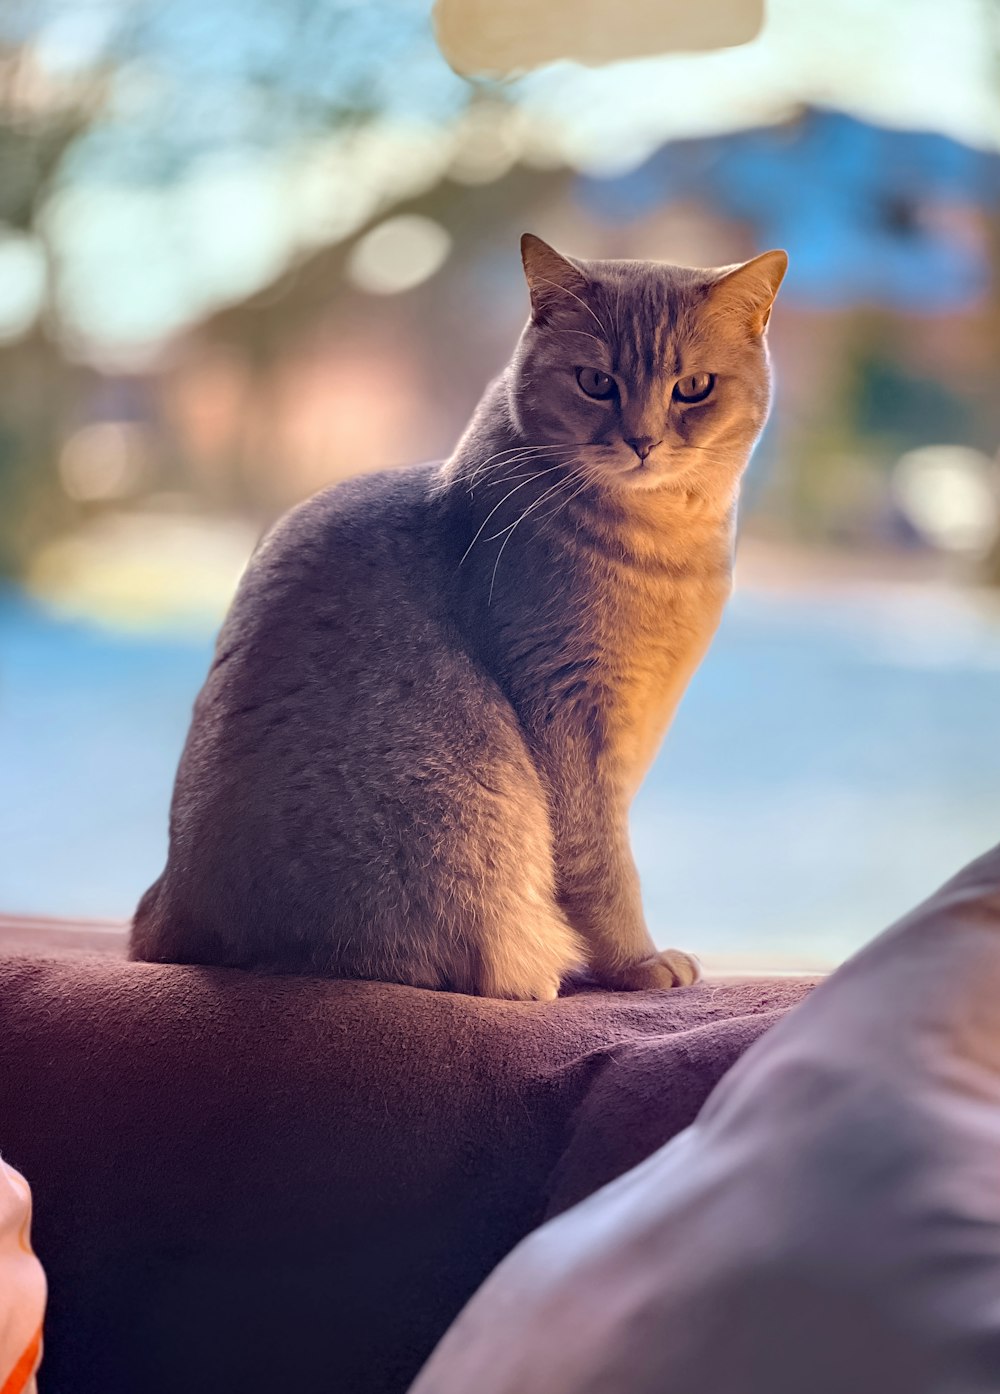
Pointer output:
x,y
648,652
619,664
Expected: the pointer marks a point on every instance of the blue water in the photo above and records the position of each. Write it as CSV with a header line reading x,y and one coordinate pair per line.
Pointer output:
x,y
833,760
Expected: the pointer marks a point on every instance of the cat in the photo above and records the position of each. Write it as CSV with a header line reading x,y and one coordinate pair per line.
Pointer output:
x,y
438,688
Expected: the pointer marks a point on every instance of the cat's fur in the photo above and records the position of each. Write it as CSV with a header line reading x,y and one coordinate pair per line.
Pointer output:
x,y
438,689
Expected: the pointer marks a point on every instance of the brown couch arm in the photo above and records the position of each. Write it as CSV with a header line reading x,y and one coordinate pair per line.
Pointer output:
x,y
256,1183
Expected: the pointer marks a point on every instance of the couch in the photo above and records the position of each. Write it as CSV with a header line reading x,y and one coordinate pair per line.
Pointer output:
x,y
249,1183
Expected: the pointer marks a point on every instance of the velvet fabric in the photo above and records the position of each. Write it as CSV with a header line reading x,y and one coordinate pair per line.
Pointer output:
x,y
255,1183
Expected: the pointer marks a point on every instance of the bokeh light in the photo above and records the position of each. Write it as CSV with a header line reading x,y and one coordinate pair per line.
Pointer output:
x,y
951,493
22,283
398,254
104,460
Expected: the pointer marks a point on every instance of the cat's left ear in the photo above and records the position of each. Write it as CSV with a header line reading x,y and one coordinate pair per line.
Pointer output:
x,y
748,290
551,277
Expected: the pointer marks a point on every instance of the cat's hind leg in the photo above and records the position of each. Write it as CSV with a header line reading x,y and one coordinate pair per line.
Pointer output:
x,y
500,931
525,953
447,880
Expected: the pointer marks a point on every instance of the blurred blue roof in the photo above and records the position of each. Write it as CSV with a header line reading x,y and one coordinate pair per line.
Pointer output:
x,y
866,213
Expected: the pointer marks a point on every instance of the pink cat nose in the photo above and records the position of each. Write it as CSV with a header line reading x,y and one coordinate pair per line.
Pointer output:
x,y
642,445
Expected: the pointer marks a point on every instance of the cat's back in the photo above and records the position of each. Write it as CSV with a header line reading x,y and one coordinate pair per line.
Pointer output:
x,y
352,562
339,607
361,535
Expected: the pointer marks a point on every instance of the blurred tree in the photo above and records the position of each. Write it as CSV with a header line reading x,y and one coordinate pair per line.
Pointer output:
x,y
40,118
134,91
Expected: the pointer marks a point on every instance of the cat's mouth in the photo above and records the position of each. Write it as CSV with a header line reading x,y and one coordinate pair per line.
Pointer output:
x,y
668,473
652,472
621,468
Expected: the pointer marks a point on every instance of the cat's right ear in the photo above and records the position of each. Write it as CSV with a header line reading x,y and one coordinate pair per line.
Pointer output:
x,y
551,278
748,290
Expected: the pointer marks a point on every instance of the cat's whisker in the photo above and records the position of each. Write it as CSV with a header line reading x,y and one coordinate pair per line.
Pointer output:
x,y
511,530
534,453
509,478
527,445
505,471
509,527
587,335
560,483
525,476
527,450
539,452
560,503
502,455
566,291
537,474
564,503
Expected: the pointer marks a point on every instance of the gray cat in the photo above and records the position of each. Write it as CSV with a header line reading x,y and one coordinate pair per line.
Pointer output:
x,y
439,688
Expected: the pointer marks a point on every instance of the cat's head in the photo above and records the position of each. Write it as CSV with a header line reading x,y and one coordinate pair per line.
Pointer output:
x,y
657,374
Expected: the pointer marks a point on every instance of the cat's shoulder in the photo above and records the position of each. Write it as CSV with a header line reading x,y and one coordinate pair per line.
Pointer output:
x,y
368,511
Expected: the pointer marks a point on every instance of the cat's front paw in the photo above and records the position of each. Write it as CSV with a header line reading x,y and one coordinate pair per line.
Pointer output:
x,y
668,968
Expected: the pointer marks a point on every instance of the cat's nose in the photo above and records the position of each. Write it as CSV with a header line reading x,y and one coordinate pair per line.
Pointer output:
x,y
642,445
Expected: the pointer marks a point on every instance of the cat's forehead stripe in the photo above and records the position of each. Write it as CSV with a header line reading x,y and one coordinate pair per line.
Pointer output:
x,y
645,322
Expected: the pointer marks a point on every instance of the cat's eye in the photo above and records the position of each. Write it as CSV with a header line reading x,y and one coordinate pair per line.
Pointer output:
x,y
595,383
694,388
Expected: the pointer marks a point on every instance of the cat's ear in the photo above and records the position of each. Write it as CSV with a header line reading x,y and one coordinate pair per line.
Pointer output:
x,y
551,277
748,290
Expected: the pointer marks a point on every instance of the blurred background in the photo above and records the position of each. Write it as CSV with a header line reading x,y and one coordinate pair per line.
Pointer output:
x,y
251,247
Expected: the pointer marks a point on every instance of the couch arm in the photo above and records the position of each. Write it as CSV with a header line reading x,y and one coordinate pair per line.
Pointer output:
x,y
251,1182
